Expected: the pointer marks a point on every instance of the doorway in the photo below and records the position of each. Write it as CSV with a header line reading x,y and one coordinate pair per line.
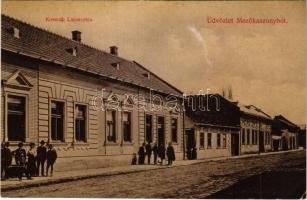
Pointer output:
x,y
161,134
235,144
190,144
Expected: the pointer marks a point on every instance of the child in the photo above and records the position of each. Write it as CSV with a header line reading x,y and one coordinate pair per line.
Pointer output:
x,y
51,158
133,162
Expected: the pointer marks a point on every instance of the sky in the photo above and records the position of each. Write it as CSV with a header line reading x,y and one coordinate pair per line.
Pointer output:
x,y
264,64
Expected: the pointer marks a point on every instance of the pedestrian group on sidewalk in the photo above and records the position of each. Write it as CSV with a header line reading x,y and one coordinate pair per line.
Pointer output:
x,y
29,163
157,151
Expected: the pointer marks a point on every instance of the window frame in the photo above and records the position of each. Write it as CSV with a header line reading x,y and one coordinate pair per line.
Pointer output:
x,y
209,146
115,128
123,133
25,95
64,120
171,124
201,140
86,123
248,137
224,144
152,127
218,140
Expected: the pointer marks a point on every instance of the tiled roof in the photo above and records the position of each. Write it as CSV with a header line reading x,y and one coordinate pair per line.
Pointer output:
x,y
42,44
253,110
285,121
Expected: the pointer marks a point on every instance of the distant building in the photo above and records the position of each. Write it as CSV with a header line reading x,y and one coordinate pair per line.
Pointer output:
x,y
302,136
212,125
285,134
256,127
95,107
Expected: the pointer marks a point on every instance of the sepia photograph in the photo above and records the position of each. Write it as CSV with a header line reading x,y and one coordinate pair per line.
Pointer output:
x,y
153,99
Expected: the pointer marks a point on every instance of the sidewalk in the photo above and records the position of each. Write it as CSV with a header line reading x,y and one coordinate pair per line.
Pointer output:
x,y
60,177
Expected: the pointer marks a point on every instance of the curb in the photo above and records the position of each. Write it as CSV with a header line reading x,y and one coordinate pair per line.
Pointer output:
x,y
105,174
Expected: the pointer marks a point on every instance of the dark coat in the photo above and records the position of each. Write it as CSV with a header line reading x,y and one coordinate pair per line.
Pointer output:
x,y
148,149
170,153
155,149
141,151
6,157
161,152
51,156
41,153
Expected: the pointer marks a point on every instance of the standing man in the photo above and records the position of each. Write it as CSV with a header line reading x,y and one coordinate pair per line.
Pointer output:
x,y
161,152
41,158
148,152
155,152
6,159
20,159
141,154
170,154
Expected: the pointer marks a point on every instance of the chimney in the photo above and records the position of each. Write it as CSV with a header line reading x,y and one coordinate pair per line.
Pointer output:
x,y
114,50
76,36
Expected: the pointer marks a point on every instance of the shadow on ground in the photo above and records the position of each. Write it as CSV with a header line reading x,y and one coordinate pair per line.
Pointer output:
x,y
285,184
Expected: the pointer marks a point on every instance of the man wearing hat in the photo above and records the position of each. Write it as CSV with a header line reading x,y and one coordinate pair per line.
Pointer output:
x,y
20,155
6,159
41,157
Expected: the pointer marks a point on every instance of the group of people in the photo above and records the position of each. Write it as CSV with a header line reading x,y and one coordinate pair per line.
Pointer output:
x,y
157,151
29,162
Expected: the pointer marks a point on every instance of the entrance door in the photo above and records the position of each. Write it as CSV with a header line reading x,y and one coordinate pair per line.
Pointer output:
x,y
190,144
161,134
234,144
261,141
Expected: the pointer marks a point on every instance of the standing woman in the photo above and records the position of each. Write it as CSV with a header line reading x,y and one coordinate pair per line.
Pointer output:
x,y
31,165
51,158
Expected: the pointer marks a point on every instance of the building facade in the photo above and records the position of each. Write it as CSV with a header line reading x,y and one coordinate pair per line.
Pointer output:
x,y
212,125
285,134
256,128
95,107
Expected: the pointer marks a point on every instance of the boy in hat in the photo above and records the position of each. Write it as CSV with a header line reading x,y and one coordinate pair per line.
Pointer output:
x,y
51,158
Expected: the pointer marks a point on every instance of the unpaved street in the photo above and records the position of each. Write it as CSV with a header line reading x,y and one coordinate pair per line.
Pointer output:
x,y
193,181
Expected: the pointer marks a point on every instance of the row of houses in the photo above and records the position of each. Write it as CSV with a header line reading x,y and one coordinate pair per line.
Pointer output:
x,y
97,108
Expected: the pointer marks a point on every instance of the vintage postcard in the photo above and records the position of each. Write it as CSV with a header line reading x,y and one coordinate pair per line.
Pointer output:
x,y
153,99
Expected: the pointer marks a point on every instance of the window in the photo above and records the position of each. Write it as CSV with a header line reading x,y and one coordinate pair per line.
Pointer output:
x,y
80,123
218,140
116,65
174,130
209,140
224,140
16,119
148,128
16,32
253,137
248,137
111,125
127,126
256,137
57,121
202,140
243,135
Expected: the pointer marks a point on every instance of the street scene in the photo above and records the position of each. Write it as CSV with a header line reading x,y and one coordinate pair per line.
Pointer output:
x,y
283,176
142,99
